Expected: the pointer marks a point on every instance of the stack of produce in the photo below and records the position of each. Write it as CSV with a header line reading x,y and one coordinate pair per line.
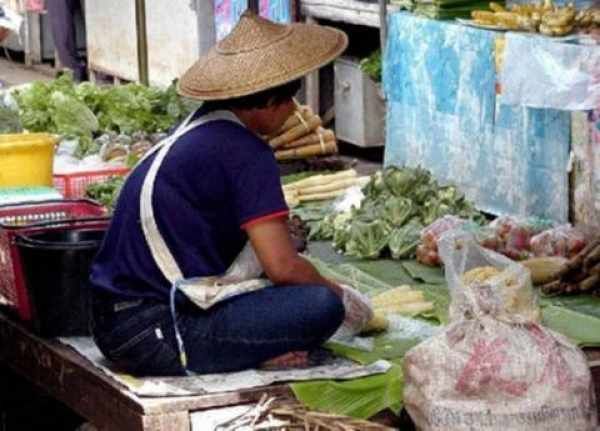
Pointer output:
x,y
85,111
580,274
515,238
545,18
322,187
127,149
448,9
398,203
402,300
302,137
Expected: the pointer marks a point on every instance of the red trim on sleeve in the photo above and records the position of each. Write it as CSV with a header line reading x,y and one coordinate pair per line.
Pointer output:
x,y
283,213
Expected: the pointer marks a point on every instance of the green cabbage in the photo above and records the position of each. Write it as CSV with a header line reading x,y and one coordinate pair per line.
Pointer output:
x,y
367,239
404,240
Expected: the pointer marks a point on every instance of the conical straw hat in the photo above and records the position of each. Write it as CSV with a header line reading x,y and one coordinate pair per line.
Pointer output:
x,y
259,54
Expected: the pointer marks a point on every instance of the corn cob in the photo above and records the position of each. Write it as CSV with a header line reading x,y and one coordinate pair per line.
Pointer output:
x,y
544,269
396,297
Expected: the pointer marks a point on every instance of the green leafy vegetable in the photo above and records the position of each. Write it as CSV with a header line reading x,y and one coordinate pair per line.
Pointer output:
x,y
372,65
398,203
85,110
404,240
106,192
366,239
9,117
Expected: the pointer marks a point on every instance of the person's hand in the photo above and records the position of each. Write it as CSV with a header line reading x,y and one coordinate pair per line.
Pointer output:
x,y
358,309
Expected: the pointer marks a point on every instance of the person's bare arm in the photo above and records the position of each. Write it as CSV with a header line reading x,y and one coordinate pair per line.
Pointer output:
x,y
282,264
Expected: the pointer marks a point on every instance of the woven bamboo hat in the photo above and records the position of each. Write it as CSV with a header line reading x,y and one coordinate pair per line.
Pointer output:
x,y
259,54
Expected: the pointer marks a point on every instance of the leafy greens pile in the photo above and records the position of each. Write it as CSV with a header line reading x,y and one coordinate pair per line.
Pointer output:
x,y
372,65
84,110
107,192
398,203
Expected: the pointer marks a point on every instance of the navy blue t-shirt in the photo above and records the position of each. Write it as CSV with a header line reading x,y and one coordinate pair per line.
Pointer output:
x,y
215,180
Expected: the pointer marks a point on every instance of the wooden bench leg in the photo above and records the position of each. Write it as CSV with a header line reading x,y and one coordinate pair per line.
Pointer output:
x,y
179,421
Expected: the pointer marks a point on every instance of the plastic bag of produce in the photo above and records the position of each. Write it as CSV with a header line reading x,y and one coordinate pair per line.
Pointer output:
x,y
494,367
564,240
513,235
427,251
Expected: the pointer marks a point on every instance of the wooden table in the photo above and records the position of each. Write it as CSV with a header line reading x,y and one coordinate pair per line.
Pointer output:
x,y
70,378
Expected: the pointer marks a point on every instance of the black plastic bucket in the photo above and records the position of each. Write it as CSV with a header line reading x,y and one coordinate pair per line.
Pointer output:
x,y
56,266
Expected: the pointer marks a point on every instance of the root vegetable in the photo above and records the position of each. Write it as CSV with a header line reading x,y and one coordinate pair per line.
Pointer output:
x,y
320,134
327,147
321,196
318,180
296,132
333,186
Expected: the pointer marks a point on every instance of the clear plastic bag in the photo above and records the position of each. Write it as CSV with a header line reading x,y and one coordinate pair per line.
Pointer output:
x,y
358,313
494,367
564,240
427,251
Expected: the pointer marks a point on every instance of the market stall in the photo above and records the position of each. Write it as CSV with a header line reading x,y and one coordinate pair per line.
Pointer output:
x,y
477,283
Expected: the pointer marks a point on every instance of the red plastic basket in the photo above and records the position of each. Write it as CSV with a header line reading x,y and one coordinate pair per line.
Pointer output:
x,y
36,217
73,185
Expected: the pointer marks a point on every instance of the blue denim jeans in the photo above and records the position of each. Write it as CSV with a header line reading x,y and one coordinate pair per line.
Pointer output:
x,y
233,335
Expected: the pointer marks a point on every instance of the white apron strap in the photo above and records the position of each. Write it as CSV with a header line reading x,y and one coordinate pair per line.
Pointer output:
x,y
158,247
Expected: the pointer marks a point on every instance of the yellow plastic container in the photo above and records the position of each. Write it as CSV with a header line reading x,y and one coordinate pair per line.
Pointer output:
x,y
26,159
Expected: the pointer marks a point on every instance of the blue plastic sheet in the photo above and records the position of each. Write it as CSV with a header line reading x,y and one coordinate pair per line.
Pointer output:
x,y
444,115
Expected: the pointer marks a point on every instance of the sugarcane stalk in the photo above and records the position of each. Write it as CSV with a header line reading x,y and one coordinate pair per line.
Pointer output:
x,y
553,287
595,270
591,259
589,283
576,262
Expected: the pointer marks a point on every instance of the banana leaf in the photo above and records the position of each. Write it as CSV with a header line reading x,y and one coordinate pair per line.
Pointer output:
x,y
581,328
387,270
423,273
360,398
440,296
349,274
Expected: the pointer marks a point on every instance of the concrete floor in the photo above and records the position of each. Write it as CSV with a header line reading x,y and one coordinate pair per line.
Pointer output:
x,y
14,73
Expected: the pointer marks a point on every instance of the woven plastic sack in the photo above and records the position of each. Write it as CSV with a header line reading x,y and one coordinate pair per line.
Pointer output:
x,y
494,367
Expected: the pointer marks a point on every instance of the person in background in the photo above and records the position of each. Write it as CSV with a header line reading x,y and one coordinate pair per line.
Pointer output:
x,y
62,14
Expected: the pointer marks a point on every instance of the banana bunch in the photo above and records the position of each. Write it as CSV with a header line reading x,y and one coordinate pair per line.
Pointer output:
x,y
545,18
588,19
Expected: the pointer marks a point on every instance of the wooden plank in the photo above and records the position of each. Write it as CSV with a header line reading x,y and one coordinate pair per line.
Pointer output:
x,y
69,377
34,56
349,11
203,402
64,375
312,83
168,422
